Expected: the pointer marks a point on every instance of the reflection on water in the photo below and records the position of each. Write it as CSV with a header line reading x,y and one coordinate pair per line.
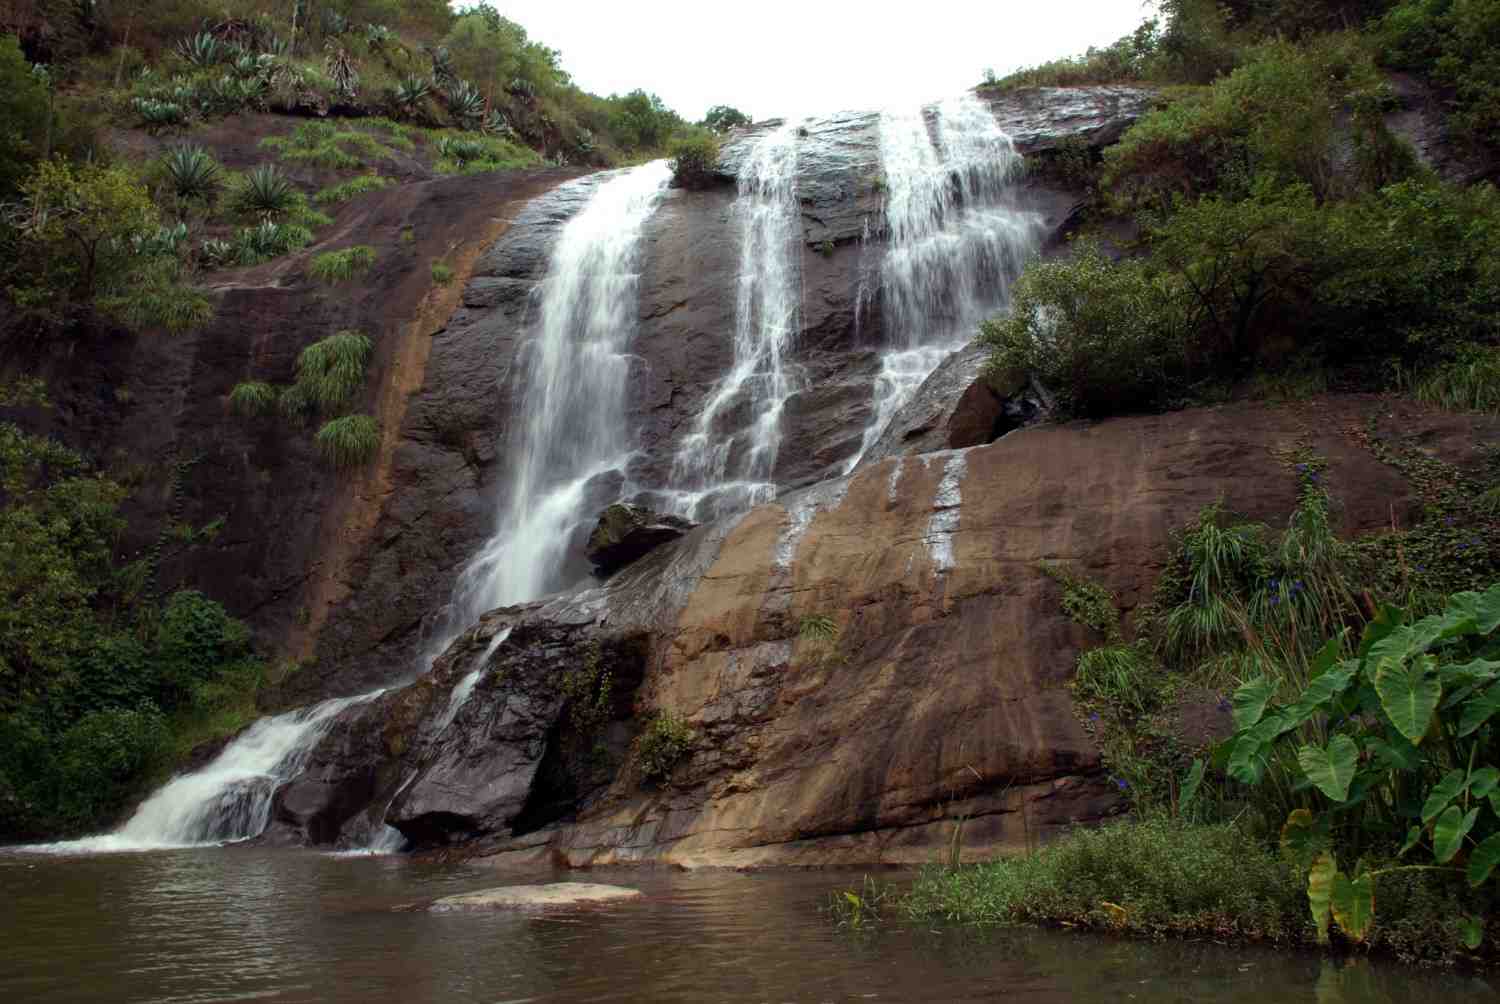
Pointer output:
x,y
246,924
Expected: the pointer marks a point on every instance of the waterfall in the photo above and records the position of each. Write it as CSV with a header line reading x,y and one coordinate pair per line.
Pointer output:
x,y
719,470
955,241
230,799
569,420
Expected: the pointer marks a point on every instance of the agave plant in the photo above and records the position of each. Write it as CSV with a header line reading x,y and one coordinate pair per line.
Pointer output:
x,y
265,190
410,91
334,23
163,242
157,114
201,49
192,171
377,36
461,150
216,253
496,124
442,65
522,88
465,103
268,239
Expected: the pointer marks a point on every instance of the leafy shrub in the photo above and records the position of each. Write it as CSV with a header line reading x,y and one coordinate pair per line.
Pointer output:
x,y
192,172
349,441
1456,42
663,743
441,274
23,114
479,154
695,160
1397,743
333,267
346,190
265,190
1103,336
723,118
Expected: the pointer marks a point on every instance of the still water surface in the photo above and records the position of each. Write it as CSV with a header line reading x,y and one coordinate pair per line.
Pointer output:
x,y
245,924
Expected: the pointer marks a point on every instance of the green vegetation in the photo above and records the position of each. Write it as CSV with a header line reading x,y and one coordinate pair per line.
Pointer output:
x,y
192,172
102,681
695,161
326,144
1266,193
1388,738
346,190
252,398
441,274
662,744
349,441
723,118
333,267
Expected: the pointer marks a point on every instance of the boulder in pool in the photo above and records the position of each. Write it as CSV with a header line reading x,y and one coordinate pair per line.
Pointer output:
x,y
553,896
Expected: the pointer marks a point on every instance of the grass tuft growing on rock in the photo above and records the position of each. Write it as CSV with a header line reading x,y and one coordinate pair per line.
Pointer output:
x,y
333,267
662,745
349,441
253,397
344,191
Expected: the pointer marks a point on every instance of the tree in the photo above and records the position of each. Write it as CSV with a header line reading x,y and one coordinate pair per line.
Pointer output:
x,y
23,114
722,118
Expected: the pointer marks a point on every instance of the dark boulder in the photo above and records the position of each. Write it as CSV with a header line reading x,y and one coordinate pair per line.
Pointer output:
x,y
625,533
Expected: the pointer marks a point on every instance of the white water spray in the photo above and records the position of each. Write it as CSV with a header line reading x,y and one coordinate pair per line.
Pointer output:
x,y
570,414
718,470
228,800
956,241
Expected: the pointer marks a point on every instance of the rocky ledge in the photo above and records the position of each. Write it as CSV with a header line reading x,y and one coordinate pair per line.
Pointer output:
x,y
847,675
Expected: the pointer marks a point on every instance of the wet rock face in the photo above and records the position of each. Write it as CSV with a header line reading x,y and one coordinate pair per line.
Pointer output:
x,y
627,532
452,462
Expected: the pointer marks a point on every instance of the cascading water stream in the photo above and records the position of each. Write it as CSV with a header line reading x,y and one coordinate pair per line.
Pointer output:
x,y
955,241
230,799
719,470
571,413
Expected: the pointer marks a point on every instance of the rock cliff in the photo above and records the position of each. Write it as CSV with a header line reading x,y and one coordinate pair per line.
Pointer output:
x,y
933,693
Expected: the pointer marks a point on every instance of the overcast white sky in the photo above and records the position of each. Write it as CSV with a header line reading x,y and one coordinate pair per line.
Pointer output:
x,y
792,58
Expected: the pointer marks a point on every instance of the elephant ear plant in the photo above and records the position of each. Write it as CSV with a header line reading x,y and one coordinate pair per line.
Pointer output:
x,y
1388,755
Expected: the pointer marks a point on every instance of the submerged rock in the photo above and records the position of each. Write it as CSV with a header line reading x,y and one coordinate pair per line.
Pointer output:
x,y
554,896
625,533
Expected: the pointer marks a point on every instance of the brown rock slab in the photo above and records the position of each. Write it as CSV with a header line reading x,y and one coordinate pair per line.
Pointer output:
x,y
552,896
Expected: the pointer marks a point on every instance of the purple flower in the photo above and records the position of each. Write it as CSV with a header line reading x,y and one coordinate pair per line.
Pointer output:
x,y
1094,717
1224,704
1121,783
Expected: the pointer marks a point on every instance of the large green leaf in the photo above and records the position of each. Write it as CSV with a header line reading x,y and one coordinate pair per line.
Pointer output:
x,y
1461,618
1399,755
1250,701
1353,904
1272,727
1395,648
1190,785
1409,695
1449,831
1479,709
1487,616
1331,768
1473,671
1323,690
1484,860
1444,792
1483,781
1320,879
1472,931
1247,762
1387,619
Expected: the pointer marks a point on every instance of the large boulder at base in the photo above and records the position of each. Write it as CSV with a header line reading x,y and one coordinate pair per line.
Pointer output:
x,y
553,896
626,533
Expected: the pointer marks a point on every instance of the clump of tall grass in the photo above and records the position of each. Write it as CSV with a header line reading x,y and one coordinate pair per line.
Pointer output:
x,y
329,373
1153,877
333,267
253,398
269,239
326,144
1470,383
348,441
346,190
